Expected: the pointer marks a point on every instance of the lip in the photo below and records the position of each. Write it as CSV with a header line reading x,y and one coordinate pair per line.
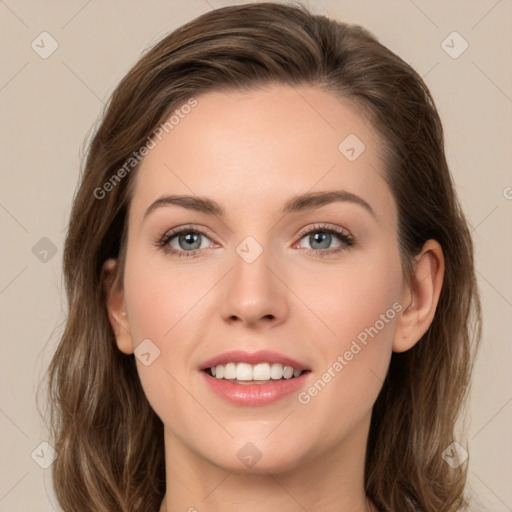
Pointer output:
x,y
254,395
261,356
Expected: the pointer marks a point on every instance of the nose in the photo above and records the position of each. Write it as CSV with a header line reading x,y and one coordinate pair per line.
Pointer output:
x,y
254,293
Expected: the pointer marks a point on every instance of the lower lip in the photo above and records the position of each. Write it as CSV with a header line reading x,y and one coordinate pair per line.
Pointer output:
x,y
254,395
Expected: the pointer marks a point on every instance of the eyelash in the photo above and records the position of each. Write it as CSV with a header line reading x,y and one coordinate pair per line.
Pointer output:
x,y
346,240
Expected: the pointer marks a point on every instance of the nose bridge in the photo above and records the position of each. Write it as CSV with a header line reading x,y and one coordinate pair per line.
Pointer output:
x,y
254,293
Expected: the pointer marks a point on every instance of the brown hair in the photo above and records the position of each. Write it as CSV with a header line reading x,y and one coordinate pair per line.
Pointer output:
x,y
109,440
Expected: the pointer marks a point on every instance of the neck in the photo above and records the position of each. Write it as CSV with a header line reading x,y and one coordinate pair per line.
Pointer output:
x,y
327,482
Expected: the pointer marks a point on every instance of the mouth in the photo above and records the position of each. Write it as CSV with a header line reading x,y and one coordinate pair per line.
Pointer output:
x,y
260,367
254,379
261,373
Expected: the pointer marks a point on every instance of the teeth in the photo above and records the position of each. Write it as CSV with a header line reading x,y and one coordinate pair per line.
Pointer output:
x,y
287,372
276,371
261,371
230,371
243,371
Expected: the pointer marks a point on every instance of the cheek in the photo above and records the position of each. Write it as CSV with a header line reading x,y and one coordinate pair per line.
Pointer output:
x,y
353,298
158,301
158,297
359,306
366,302
361,310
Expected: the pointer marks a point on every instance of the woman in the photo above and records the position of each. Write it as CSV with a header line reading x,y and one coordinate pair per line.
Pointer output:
x,y
272,299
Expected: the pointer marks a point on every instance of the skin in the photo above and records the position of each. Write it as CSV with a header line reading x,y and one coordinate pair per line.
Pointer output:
x,y
251,152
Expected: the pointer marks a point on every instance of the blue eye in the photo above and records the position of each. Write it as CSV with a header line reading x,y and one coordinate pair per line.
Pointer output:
x,y
184,242
187,242
321,237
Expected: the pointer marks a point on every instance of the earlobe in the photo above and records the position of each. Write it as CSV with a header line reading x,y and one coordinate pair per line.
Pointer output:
x,y
421,296
114,297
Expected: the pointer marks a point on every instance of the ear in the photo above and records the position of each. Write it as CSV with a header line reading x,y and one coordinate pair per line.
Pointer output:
x,y
116,306
420,297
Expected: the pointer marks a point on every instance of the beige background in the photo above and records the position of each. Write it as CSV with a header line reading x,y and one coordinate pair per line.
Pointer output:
x,y
49,107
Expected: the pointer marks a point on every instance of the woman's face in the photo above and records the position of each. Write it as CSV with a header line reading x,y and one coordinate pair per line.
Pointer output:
x,y
264,270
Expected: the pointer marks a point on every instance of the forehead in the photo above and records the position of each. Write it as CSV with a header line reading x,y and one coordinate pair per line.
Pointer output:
x,y
253,150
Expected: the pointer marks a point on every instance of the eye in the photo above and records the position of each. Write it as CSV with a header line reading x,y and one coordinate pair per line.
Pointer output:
x,y
323,240
184,242
322,237
187,240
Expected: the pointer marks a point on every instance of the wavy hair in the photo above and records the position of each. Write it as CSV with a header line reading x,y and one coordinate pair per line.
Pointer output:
x,y
109,440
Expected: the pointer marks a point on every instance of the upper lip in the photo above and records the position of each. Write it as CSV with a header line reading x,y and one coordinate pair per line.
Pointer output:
x,y
261,356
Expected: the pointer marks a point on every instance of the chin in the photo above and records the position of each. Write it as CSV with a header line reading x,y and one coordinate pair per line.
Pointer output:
x,y
258,458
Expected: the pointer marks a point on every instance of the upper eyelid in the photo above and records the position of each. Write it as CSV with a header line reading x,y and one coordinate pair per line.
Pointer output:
x,y
203,230
326,226
188,227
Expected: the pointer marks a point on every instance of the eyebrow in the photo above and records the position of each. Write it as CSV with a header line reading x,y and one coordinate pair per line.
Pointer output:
x,y
298,203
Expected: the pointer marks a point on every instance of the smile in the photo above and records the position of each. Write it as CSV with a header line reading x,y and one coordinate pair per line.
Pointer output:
x,y
244,372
